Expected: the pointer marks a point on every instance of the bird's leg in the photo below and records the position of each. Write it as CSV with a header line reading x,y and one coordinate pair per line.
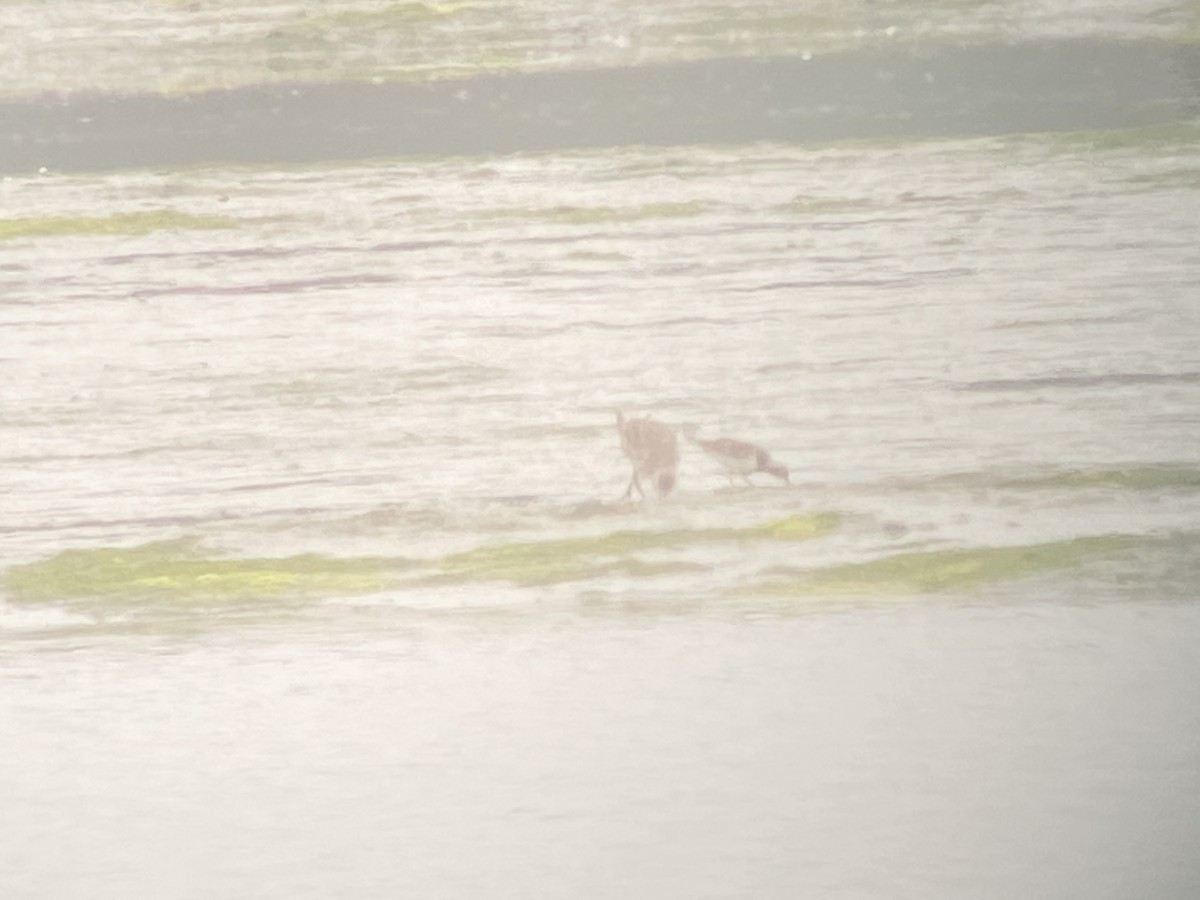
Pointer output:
x,y
633,482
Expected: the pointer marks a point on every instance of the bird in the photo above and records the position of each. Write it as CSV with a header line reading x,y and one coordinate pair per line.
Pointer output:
x,y
654,452
741,458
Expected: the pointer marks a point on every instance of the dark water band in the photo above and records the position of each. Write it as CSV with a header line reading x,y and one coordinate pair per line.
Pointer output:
x,y
870,93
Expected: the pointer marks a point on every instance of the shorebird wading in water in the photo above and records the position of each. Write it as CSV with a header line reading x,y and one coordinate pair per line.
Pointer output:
x,y
741,458
652,448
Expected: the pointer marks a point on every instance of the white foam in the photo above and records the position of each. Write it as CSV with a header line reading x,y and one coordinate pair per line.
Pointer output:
x,y
40,618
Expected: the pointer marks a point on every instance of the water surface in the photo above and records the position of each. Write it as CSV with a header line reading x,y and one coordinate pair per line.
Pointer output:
x,y
313,575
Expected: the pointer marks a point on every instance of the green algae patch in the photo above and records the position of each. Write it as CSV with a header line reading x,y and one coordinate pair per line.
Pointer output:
x,y
553,562
176,569
726,30
802,205
181,570
1182,178
126,223
573,559
533,562
1138,478
792,528
391,15
1167,135
945,570
342,32
405,41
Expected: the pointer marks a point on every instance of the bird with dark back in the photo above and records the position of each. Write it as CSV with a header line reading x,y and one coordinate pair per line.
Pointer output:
x,y
652,450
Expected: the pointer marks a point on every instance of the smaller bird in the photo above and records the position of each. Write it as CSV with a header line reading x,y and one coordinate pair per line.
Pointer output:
x,y
741,458
654,452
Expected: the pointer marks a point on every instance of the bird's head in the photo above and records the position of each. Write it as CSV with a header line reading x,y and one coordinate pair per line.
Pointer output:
x,y
779,470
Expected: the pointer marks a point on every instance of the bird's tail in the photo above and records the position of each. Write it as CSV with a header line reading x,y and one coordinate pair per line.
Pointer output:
x,y
665,483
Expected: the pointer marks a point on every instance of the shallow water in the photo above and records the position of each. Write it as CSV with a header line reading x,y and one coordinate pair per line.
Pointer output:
x,y
936,749
168,47
314,579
